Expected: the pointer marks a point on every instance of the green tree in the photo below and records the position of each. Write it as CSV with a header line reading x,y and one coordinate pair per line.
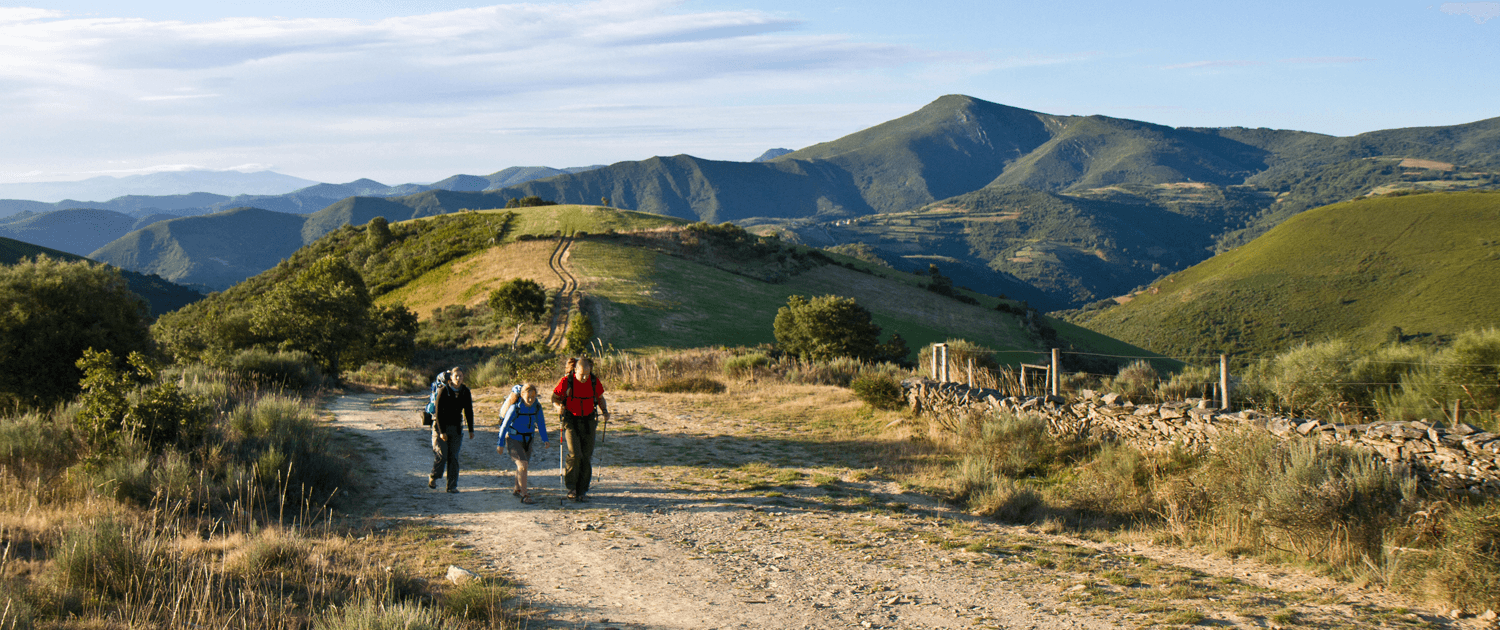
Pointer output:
x,y
379,234
50,312
393,334
580,332
519,301
826,327
116,403
324,311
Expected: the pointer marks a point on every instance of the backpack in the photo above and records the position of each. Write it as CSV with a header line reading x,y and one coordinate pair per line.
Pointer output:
x,y
568,392
437,387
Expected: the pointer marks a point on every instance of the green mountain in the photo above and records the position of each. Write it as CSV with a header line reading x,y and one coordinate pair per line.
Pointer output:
x,y
161,295
78,231
1058,210
1428,264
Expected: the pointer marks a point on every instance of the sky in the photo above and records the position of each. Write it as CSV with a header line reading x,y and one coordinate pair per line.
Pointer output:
x,y
417,90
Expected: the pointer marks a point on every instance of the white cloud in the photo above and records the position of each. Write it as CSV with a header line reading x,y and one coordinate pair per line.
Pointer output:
x,y
1481,11
568,83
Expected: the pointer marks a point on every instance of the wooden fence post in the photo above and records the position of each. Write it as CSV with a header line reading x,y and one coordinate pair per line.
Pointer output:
x,y
1054,373
1224,382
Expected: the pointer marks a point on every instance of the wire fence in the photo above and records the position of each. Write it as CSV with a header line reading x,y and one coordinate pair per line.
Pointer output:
x,y
1348,389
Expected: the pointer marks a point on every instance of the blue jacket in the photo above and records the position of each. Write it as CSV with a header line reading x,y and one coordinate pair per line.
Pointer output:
x,y
523,418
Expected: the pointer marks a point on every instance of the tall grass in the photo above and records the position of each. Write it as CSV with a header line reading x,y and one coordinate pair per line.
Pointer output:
x,y
231,532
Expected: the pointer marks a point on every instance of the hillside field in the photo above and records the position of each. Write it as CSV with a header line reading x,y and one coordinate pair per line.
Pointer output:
x,y
1428,264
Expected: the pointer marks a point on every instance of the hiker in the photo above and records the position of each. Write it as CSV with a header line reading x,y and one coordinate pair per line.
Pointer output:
x,y
580,396
453,406
521,420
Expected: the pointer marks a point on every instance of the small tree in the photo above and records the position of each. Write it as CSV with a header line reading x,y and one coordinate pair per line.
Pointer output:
x,y
580,333
519,301
393,337
50,312
826,327
324,311
379,234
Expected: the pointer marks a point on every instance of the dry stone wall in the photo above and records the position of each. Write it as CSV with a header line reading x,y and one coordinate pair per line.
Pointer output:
x,y
1460,457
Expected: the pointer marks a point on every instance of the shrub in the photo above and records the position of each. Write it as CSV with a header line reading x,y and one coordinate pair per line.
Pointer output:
x,y
32,444
580,333
368,615
746,365
273,551
1327,502
105,557
1466,562
690,385
1136,381
1314,378
386,375
291,369
881,391
478,600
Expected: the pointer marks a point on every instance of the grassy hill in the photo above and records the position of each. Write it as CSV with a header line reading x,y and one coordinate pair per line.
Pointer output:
x,y
162,296
1428,264
650,281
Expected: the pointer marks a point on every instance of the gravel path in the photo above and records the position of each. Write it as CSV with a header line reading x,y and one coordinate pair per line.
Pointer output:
x,y
713,522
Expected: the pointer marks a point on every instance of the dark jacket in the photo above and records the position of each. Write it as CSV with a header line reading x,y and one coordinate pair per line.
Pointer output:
x,y
453,407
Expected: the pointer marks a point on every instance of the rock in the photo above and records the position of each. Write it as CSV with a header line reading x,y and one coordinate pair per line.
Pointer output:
x,y
1489,615
458,575
1110,398
1307,427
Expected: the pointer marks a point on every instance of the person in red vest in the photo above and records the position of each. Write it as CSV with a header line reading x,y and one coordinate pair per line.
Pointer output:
x,y
580,395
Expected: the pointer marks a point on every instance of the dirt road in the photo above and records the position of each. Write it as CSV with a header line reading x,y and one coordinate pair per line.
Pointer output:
x,y
701,521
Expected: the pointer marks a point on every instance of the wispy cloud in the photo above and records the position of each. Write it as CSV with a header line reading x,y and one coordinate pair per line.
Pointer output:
x,y
1222,63
1327,60
1481,11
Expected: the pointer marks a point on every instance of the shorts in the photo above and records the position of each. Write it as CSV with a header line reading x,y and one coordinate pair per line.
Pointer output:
x,y
517,450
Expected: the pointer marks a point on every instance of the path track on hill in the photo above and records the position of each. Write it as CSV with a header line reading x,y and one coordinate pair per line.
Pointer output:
x,y
666,544
557,328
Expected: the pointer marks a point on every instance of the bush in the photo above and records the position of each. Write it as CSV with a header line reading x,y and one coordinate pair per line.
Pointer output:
x,y
386,375
1465,564
32,444
291,369
478,600
54,311
1326,502
690,385
746,365
368,615
826,327
105,557
880,391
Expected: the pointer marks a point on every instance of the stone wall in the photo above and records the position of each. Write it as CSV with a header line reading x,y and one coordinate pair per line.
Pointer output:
x,y
1459,457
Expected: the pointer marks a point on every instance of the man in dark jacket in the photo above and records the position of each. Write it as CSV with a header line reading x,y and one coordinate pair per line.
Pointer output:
x,y
454,405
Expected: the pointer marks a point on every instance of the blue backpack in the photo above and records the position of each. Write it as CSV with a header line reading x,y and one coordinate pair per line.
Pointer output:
x,y
437,386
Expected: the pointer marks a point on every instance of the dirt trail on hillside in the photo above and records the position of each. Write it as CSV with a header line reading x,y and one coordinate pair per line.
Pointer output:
x,y
557,328
679,535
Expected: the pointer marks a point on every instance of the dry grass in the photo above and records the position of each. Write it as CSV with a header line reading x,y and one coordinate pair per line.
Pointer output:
x,y
468,281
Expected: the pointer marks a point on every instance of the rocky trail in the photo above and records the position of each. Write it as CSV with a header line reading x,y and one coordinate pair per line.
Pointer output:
x,y
700,521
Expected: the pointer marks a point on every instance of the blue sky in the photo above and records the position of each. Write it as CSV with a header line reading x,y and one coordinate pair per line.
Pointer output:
x,y
412,91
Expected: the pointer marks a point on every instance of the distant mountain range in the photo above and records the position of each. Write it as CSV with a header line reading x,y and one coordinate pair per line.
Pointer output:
x,y
1058,210
155,184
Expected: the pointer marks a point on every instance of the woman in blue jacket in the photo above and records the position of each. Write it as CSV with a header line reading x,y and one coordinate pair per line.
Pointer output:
x,y
521,421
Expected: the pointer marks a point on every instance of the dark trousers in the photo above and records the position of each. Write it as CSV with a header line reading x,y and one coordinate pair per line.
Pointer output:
x,y
579,468
445,453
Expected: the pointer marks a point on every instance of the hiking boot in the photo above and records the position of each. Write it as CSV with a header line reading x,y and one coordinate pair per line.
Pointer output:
x,y
432,482
453,491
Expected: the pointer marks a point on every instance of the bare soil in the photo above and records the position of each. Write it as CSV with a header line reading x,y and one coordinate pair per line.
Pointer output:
x,y
704,520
